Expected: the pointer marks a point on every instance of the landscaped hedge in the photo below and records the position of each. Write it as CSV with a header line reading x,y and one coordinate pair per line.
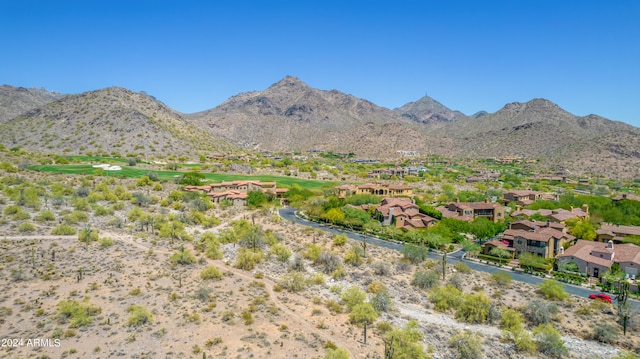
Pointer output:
x,y
493,259
569,277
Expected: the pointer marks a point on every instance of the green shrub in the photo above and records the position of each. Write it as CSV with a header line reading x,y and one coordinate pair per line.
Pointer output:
x,y
353,296
468,344
425,279
415,253
26,227
280,251
474,308
337,353
247,258
354,256
553,290
445,298
184,257
78,314
210,272
502,279
549,341
63,230
294,282
138,316
340,240
45,216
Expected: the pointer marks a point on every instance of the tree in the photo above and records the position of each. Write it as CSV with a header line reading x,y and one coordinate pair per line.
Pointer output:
x,y
500,252
415,253
363,314
192,179
256,198
333,215
582,229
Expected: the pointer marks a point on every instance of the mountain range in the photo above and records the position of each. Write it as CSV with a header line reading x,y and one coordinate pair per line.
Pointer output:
x,y
292,116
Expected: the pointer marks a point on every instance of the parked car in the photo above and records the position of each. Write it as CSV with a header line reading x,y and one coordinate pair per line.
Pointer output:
x,y
603,297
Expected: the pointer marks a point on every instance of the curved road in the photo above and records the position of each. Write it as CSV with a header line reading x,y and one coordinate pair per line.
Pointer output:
x,y
289,214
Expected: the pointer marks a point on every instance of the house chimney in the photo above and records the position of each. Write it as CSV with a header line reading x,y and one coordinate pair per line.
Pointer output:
x,y
457,199
518,207
571,209
548,222
486,200
610,244
561,250
585,208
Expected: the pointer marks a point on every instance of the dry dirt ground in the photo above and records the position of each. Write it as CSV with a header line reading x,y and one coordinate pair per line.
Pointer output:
x,y
192,317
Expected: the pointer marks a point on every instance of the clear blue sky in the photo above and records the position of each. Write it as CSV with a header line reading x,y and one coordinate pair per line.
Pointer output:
x,y
471,55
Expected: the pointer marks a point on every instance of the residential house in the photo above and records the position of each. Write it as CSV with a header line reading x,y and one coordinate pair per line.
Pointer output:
x,y
405,213
559,215
525,197
623,196
545,239
615,232
468,211
346,190
399,172
595,258
237,191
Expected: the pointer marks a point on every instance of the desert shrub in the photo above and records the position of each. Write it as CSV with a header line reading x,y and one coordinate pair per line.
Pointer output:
x,y
354,256
297,263
337,353
445,298
456,280
404,342
247,317
375,287
328,261
26,227
381,268
106,242
551,289
63,230
280,251
87,235
511,319
425,279
523,341
340,240
605,333
461,267
415,253
138,316
184,257
294,282
333,306
474,308
381,301
538,311
501,279
468,344
45,216
313,252
247,258
549,341
339,273
353,296
78,314
210,272
76,217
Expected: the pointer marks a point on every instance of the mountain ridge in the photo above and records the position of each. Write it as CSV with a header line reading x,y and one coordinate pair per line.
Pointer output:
x,y
290,115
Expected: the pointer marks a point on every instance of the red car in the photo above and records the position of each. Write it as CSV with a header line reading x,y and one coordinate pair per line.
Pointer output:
x,y
603,297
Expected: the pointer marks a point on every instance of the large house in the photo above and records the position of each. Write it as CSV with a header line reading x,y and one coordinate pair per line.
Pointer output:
x,y
595,258
405,213
545,239
468,211
346,190
236,191
559,215
616,233
525,197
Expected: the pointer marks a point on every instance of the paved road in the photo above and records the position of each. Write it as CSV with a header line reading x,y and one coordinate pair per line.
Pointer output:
x,y
289,214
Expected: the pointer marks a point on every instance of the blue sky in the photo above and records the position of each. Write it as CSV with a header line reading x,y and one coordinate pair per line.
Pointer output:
x,y
472,55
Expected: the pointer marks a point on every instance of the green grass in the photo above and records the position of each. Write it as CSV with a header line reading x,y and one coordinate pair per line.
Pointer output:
x,y
133,172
